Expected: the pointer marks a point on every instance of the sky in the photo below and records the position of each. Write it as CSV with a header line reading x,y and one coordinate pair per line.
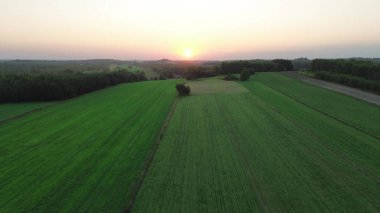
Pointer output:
x,y
197,29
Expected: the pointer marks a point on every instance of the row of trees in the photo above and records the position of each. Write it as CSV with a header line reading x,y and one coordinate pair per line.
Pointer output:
x,y
365,69
362,74
58,86
349,80
195,72
40,66
277,65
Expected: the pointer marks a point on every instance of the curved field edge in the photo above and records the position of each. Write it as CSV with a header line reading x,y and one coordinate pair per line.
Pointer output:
x,y
351,111
84,154
236,153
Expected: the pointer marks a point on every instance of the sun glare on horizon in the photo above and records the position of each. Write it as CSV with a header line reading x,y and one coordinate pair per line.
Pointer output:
x,y
188,53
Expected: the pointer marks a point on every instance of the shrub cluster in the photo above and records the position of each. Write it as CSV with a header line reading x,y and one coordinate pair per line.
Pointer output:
x,y
183,89
245,74
230,77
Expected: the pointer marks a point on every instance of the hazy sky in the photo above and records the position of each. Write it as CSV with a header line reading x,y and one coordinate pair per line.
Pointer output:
x,y
212,29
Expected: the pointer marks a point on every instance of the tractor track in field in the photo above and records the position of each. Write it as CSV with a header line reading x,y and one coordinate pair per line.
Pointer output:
x,y
149,160
320,140
26,113
326,114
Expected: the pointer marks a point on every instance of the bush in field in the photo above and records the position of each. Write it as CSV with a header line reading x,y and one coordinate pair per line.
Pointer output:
x,y
230,77
245,74
183,89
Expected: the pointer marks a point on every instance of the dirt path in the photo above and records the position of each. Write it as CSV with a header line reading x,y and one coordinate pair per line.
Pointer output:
x,y
366,96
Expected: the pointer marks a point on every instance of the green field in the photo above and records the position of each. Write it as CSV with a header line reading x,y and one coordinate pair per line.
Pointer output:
x,y
84,154
263,151
213,86
357,113
271,144
8,111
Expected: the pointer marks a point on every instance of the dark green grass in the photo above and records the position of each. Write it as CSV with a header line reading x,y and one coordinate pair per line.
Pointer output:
x,y
84,154
352,111
8,111
239,153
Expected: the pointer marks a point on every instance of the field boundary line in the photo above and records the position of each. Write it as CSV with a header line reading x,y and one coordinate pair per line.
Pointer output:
x,y
320,140
26,113
326,114
149,160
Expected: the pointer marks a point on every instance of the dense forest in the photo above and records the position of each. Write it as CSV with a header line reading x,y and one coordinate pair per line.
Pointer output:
x,y
24,80
276,65
40,66
364,74
301,64
57,86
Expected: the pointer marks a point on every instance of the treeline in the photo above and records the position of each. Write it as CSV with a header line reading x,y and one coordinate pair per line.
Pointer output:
x,y
195,72
301,64
365,69
276,65
57,86
41,66
349,80
354,73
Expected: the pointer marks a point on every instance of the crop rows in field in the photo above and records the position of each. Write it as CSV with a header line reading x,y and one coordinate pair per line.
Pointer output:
x,y
215,86
357,147
351,111
260,151
83,154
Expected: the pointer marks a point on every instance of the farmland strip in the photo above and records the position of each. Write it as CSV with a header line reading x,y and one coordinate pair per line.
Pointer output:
x,y
326,114
135,189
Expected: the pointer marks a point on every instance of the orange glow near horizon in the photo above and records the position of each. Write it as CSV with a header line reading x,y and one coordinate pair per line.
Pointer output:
x,y
214,29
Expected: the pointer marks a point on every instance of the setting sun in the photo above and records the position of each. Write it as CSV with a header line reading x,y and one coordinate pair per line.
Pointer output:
x,y
188,53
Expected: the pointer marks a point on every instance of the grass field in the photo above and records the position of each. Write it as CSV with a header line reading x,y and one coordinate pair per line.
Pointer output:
x,y
357,113
213,86
84,154
8,111
271,144
356,146
263,151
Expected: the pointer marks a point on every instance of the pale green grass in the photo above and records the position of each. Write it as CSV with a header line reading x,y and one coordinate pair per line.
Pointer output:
x,y
215,86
